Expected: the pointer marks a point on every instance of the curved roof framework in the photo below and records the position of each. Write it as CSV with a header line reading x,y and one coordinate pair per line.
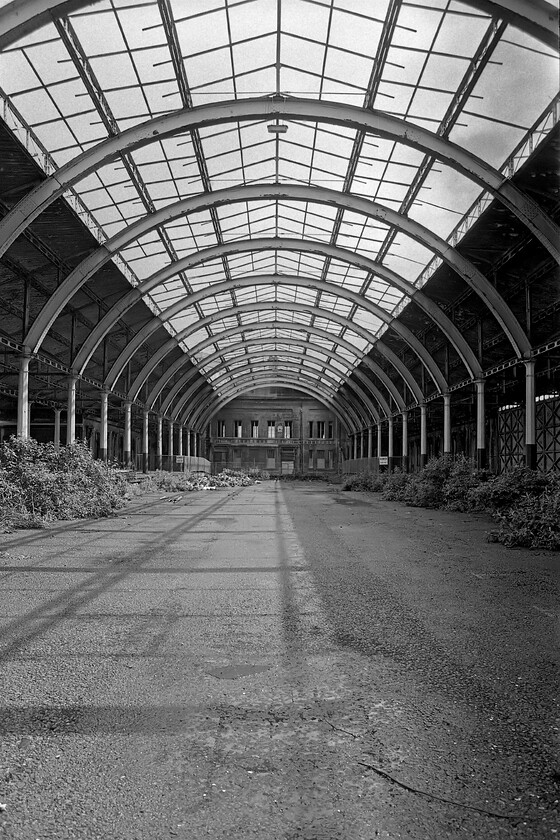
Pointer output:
x,y
274,182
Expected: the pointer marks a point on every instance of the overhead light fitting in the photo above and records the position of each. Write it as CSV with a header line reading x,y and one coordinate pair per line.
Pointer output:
x,y
278,128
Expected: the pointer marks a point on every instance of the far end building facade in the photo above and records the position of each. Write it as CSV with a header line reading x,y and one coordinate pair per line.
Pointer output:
x,y
276,429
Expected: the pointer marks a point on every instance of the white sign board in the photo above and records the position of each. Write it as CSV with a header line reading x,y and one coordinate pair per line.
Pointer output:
x,y
383,461
179,459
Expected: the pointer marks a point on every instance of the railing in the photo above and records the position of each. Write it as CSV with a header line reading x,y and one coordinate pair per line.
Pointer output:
x,y
294,441
353,466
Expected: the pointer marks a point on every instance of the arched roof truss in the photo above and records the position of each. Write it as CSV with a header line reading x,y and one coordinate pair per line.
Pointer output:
x,y
276,220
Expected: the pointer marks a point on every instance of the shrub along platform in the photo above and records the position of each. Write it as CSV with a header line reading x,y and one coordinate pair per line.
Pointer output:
x,y
524,502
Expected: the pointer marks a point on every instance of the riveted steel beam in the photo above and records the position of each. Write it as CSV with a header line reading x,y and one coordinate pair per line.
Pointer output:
x,y
308,282
308,246
369,121
179,363
249,308
195,416
198,403
232,393
323,353
294,192
307,364
296,326
535,17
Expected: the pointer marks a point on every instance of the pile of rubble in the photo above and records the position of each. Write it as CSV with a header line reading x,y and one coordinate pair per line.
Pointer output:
x,y
186,482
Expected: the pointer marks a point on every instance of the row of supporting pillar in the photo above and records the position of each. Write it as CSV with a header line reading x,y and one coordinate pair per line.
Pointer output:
x,y
193,441
530,427
23,424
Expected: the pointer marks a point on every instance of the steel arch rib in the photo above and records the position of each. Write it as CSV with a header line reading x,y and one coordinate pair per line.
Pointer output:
x,y
178,386
293,368
325,354
437,315
535,17
261,306
184,380
411,340
194,372
57,301
306,363
239,282
298,327
202,116
318,195
345,413
291,375
212,410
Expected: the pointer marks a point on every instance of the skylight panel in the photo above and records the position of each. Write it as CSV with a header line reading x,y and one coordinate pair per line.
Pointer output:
x,y
205,94
430,104
128,103
230,162
114,69
347,68
209,68
142,30
365,319
306,20
307,55
254,56
55,135
460,35
185,319
256,82
98,32
205,27
153,65
250,19
403,65
355,33
18,74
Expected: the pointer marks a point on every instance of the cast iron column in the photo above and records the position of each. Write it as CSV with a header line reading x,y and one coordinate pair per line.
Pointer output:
x,y
159,446
423,435
127,454
57,413
447,424
145,441
390,452
405,441
71,412
530,416
23,398
104,431
170,446
480,430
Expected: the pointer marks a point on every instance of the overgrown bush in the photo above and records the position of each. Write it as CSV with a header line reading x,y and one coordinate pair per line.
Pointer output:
x,y
39,483
533,521
526,503
502,491
365,481
462,480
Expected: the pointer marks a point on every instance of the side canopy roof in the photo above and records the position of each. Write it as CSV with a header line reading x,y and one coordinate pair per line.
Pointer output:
x,y
277,180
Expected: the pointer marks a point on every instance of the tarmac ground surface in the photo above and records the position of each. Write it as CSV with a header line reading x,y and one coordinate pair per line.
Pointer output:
x,y
284,662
